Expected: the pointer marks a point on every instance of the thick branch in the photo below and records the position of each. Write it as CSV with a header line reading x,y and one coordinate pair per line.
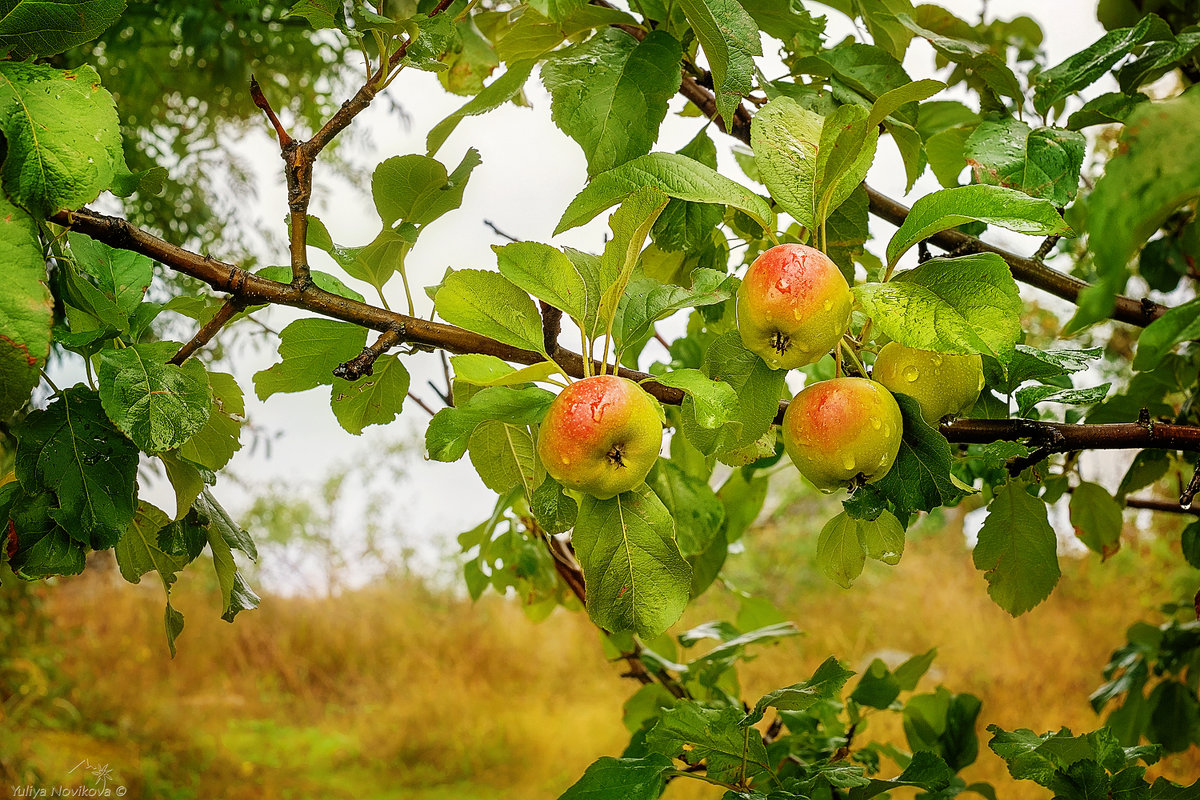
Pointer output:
x,y
1027,270
253,290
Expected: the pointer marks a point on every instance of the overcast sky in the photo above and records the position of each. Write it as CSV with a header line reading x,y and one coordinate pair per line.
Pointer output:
x,y
530,172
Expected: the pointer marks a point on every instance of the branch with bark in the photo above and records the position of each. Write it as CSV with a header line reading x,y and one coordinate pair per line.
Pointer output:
x,y
251,289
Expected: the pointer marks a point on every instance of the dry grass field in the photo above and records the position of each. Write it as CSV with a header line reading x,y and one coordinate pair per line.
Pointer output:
x,y
402,691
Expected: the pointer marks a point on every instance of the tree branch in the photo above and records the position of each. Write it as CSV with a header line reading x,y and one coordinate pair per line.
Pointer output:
x,y
364,363
253,290
228,310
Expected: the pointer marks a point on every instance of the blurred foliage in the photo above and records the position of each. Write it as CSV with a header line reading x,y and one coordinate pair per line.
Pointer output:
x,y
180,73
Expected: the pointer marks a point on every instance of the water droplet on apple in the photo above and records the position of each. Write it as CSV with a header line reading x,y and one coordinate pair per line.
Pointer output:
x,y
936,358
910,373
981,381
882,461
829,305
876,423
848,462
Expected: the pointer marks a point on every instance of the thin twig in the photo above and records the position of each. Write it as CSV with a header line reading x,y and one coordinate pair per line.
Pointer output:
x,y
364,363
424,406
228,310
499,232
260,100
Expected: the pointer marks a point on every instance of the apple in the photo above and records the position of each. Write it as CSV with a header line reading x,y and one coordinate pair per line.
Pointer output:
x,y
601,435
840,431
793,306
941,383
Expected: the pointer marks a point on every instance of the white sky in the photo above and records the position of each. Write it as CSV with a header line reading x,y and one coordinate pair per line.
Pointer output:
x,y
530,172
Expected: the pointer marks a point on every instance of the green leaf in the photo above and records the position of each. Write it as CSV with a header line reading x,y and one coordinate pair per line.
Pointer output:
x,y
1017,550
416,189
883,537
646,300
532,34
785,137
943,723
730,39
156,404
375,399
1030,396
758,389
121,274
554,510
1179,324
450,429
48,27
631,224
841,553
730,752
1105,109
959,305
926,770
676,176
1085,67
187,478
920,480
825,684
494,95
1096,517
610,93
981,64
697,512
310,349
505,456
714,402
223,536
1155,170
322,14
1031,364
877,688
139,551
845,153
994,205
549,275
73,450
62,136
490,304
214,444
479,369
43,547
622,779
25,308
1041,162
635,576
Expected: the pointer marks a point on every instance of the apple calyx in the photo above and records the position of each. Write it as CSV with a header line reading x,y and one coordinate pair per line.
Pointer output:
x,y
793,306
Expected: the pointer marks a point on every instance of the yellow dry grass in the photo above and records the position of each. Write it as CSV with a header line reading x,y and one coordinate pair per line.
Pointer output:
x,y
398,691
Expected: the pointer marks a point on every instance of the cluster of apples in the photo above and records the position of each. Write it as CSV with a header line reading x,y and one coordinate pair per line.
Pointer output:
x,y
793,308
602,434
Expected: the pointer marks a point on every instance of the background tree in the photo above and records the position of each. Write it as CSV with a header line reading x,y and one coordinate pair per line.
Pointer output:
x,y
635,561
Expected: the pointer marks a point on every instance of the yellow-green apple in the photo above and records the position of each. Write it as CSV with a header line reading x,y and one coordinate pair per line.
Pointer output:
x,y
601,435
839,429
793,306
941,383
